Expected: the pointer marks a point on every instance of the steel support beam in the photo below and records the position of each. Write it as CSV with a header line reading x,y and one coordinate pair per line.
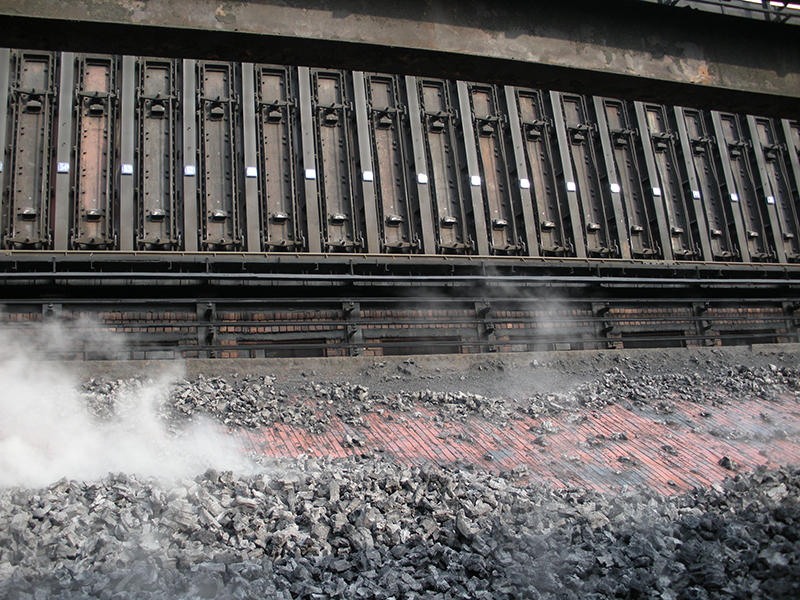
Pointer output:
x,y
308,160
252,213
367,172
474,182
64,151
127,177
420,167
190,223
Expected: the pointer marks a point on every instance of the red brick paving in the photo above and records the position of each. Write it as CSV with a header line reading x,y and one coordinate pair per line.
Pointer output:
x,y
737,431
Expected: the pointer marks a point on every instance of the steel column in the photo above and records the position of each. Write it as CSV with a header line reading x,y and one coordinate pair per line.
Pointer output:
x,y
127,145
190,174
523,177
420,167
623,230
251,205
309,161
63,185
474,179
569,176
689,147
652,174
367,172
5,65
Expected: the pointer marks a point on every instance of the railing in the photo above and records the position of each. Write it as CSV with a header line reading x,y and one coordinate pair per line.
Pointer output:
x,y
768,10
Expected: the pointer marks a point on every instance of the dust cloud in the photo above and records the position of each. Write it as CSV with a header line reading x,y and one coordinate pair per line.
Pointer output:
x,y
47,431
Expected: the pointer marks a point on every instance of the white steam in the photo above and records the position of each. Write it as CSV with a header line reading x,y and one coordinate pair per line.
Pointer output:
x,y
47,432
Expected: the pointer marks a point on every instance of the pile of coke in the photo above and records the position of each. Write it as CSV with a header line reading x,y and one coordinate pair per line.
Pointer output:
x,y
367,528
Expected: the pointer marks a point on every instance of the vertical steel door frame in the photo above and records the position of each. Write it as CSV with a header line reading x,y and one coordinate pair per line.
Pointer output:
x,y
652,173
746,207
190,224
697,199
420,167
127,145
568,174
251,213
782,218
623,231
309,160
523,177
474,179
5,66
738,221
794,155
766,192
367,171
63,186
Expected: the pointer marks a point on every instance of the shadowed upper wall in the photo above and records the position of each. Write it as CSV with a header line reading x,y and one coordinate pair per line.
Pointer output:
x,y
615,47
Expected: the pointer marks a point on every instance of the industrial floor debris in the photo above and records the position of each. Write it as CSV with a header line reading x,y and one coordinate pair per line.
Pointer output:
x,y
652,474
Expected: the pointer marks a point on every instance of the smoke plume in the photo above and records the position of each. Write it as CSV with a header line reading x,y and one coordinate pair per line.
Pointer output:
x,y
47,432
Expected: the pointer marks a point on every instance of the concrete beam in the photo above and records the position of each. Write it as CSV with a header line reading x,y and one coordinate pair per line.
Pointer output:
x,y
616,47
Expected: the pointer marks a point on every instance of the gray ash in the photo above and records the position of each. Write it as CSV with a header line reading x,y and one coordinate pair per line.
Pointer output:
x,y
260,401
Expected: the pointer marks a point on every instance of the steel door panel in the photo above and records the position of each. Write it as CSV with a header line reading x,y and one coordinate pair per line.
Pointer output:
x,y
32,104
488,124
444,178
332,115
217,106
520,175
699,148
277,123
739,185
790,132
157,106
776,187
580,133
94,173
386,118
665,179
553,218
642,222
